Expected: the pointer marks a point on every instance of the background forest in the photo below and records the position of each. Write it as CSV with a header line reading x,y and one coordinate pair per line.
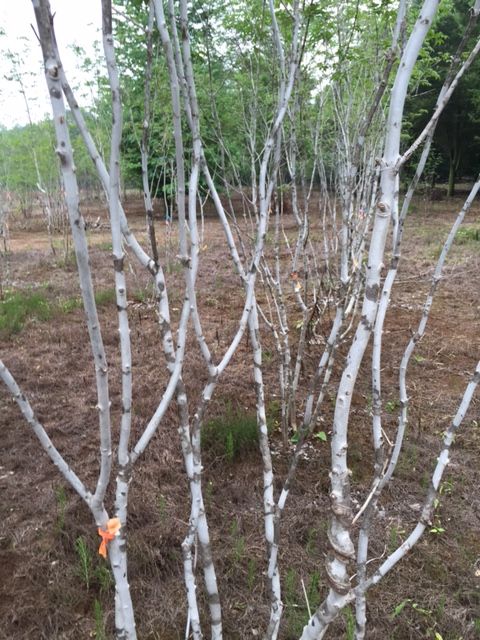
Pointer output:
x,y
232,55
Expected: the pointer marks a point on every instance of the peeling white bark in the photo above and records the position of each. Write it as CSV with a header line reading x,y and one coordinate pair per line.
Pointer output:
x,y
342,548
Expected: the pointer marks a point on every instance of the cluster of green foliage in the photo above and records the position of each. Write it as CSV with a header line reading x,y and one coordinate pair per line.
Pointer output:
x,y
19,306
18,173
456,144
237,84
231,436
467,234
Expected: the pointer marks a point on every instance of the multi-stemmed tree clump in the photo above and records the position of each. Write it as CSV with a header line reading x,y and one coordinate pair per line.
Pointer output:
x,y
338,135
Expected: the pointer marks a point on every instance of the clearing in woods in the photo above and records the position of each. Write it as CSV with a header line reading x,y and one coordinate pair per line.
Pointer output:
x,y
53,585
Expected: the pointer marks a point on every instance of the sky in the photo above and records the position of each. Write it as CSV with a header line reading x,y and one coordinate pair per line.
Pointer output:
x,y
77,22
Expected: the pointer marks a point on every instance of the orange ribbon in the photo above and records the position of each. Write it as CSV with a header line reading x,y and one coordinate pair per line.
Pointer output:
x,y
113,527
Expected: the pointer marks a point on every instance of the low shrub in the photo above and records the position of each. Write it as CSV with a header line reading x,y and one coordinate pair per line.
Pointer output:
x,y
19,306
232,435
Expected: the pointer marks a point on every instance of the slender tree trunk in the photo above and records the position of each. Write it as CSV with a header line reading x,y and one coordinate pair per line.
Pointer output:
x,y
342,547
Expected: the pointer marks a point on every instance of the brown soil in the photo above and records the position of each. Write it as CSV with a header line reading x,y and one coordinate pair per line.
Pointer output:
x,y
43,593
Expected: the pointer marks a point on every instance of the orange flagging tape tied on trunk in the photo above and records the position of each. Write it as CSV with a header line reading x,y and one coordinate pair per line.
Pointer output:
x,y
113,527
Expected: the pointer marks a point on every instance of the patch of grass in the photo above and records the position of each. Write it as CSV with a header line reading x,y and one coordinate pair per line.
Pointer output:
x,y
208,493
105,296
100,632
395,538
467,234
173,266
313,591
238,543
391,406
290,587
425,480
103,577
68,261
102,297
232,435
18,307
70,304
476,626
407,461
104,246
294,614
140,295
274,414
311,545
84,568
267,356
435,253
296,597
349,618
251,573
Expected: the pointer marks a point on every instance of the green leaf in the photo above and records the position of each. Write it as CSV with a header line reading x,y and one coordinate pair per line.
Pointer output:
x,y
321,435
420,609
399,608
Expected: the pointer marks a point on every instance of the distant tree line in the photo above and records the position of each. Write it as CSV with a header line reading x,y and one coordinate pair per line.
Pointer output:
x,y
229,52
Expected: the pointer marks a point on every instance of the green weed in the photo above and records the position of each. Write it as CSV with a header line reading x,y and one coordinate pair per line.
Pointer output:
x,y
440,608
267,356
395,538
349,618
208,494
300,599
238,543
311,541
103,576
100,632
274,413
468,234
313,591
84,569
435,253
399,608
437,527
425,480
18,307
391,405
105,296
140,295
428,615
290,587
231,436
70,304
103,246
251,573
68,261
446,488
173,266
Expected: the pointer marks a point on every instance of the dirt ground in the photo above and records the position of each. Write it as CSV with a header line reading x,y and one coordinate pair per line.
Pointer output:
x,y
53,584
